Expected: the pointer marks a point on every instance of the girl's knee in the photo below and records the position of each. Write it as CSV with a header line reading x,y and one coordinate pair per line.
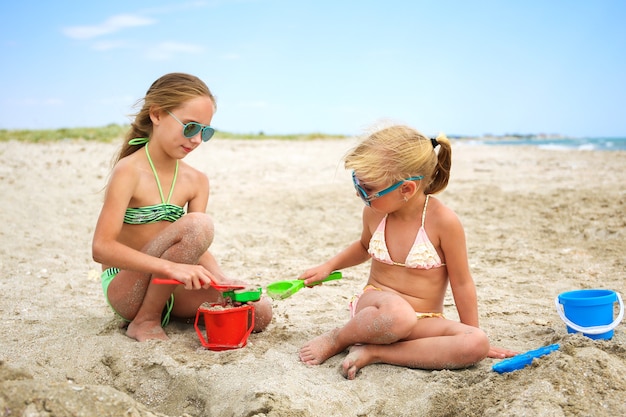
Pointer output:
x,y
199,225
404,319
477,345
198,219
262,314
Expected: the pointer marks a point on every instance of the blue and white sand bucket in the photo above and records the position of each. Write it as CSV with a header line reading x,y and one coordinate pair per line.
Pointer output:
x,y
590,312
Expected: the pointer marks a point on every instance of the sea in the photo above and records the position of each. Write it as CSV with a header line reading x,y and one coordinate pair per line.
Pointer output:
x,y
588,144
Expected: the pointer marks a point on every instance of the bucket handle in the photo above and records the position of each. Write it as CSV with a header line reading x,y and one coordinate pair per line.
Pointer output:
x,y
592,329
198,332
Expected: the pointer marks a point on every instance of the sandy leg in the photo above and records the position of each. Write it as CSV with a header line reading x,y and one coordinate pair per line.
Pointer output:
x,y
262,314
317,350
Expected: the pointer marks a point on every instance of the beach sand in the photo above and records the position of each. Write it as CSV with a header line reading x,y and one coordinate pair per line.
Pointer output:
x,y
538,223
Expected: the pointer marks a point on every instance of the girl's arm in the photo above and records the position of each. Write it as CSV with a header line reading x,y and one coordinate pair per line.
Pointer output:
x,y
199,203
107,250
461,283
200,199
210,263
354,254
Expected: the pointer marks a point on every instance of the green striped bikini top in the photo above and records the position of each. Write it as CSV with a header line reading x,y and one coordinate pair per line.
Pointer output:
x,y
157,212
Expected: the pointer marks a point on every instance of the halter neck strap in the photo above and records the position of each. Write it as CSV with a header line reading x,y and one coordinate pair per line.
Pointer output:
x,y
156,176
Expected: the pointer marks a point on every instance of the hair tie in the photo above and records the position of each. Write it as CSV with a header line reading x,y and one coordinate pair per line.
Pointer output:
x,y
434,142
138,141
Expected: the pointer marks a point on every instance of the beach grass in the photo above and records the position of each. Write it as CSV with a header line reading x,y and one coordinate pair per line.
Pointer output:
x,y
114,132
100,134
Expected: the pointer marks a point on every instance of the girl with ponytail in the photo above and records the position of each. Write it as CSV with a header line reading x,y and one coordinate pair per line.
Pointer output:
x,y
417,248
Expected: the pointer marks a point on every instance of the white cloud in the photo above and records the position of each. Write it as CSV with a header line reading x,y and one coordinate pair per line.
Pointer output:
x,y
111,25
167,50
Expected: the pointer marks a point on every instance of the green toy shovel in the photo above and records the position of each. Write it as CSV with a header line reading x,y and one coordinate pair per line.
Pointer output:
x,y
283,289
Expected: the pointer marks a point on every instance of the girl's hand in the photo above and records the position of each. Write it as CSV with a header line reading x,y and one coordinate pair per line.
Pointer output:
x,y
500,353
194,277
313,275
222,280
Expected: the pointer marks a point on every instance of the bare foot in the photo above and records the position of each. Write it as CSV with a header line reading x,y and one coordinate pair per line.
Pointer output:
x,y
147,330
356,359
316,351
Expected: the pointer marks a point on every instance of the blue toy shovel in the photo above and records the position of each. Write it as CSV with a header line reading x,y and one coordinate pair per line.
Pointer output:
x,y
523,359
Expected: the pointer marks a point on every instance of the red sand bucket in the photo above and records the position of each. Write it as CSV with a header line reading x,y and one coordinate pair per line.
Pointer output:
x,y
227,327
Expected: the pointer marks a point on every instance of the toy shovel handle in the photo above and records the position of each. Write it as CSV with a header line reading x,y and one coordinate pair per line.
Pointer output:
x,y
166,281
219,287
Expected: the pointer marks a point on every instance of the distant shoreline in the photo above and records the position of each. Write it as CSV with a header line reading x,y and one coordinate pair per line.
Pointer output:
x,y
115,132
554,142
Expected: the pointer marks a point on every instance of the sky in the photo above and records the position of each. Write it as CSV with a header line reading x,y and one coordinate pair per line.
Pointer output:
x,y
461,67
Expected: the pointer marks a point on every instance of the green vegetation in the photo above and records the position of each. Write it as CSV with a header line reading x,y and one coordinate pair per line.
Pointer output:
x,y
100,134
114,132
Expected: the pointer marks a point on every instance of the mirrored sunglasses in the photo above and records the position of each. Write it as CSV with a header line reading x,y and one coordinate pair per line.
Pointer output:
x,y
191,129
367,198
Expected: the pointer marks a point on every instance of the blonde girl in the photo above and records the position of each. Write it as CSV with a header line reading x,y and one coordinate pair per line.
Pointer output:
x,y
417,247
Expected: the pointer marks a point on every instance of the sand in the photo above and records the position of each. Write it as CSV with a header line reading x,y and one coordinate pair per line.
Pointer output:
x,y
538,223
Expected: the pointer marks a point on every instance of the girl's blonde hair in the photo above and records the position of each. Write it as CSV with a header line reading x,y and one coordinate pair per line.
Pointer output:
x,y
398,152
166,93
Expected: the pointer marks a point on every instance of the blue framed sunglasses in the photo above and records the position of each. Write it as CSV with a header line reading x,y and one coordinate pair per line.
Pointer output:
x,y
367,198
191,129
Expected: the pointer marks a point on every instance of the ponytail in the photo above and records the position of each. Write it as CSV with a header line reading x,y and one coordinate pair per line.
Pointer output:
x,y
441,173
396,152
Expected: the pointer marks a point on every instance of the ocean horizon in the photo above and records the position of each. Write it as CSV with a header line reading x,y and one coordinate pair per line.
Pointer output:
x,y
583,144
